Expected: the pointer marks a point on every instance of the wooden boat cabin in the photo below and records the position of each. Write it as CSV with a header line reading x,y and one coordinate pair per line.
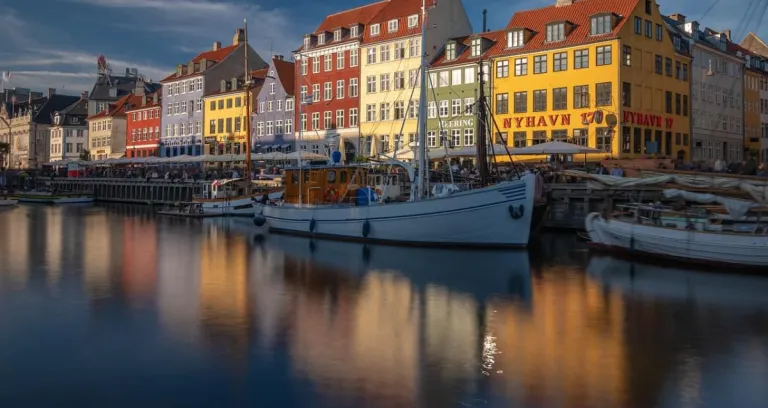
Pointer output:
x,y
226,188
327,185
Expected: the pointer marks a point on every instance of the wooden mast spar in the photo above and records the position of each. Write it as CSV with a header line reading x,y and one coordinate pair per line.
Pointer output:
x,y
247,175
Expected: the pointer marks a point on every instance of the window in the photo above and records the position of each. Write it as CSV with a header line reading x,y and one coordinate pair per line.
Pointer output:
x,y
415,46
604,55
601,25
668,102
685,105
659,32
469,75
456,77
668,66
327,62
456,107
327,91
315,120
455,137
384,111
315,65
443,111
450,51
638,26
303,121
321,39
603,139
476,48
384,82
413,20
370,112
212,128
626,57
580,136
555,32
678,104
384,53
581,59
519,139
392,25
685,72
279,130
339,118
515,39
657,65
560,99
353,31
375,29
648,28
289,104
626,94
399,110
502,69
469,137
269,106
413,109
560,135
353,88
413,77
353,117
340,60
469,104
443,79
540,100
560,62
581,96
371,84
678,68
603,91
432,110
371,55
337,35
539,137
539,64
502,103
353,58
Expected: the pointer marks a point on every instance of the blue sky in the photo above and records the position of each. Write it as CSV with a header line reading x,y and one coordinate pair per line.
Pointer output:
x,y
55,43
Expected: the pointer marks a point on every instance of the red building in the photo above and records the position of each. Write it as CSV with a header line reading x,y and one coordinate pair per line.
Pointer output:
x,y
142,128
328,81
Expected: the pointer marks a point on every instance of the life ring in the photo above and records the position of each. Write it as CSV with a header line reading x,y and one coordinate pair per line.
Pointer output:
x,y
331,194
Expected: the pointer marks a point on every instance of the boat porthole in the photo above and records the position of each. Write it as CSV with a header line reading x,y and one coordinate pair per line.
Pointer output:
x,y
312,225
366,229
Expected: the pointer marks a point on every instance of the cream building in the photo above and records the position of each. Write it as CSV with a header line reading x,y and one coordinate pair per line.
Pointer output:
x,y
69,132
107,129
390,57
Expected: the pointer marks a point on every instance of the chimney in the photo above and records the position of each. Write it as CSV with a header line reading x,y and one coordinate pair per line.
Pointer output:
x,y
139,90
216,45
727,34
51,92
144,100
239,37
561,3
155,98
485,12
84,95
678,17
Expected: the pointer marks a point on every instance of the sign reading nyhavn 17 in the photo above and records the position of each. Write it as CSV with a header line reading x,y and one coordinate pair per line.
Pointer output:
x,y
538,121
646,119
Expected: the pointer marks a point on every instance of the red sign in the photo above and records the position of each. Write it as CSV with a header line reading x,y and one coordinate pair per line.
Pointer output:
x,y
538,121
647,119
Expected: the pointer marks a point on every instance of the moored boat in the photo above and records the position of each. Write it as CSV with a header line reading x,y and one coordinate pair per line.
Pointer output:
x,y
680,235
8,202
233,197
48,197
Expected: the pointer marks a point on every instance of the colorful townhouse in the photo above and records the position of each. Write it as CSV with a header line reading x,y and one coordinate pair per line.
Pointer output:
x,y
599,73
755,76
328,82
759,49
69,131
390,54
454,89
142,128
272,123
106,129
183,91
226,111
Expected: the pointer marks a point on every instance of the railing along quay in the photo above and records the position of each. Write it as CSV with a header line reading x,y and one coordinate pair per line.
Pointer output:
x,y
126,190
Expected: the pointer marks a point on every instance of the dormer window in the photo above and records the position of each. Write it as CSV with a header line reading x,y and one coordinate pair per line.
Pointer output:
x,y
353,31
601,25
392,26
375,29
306,42
321,39
337,35
555,32
515,39
450,51
413,20
476,49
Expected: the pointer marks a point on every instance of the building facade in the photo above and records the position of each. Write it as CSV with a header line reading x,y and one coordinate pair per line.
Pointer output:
x,y
29,122
109,88
107,129
142,126
454,90
390,56
69,132
225,116
755,45
717,84
183,91
594,72
272,123
328,81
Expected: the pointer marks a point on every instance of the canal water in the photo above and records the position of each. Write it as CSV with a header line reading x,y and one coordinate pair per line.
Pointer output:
x,y
115,307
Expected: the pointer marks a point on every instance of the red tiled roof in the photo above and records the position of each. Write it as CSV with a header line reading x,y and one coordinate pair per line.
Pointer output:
x,y
399,10
259,73
346,19
101,114
210,55
285,71
464,50
578,13
150,101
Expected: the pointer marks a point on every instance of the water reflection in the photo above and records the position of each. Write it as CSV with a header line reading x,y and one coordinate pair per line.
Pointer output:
x,y
114,304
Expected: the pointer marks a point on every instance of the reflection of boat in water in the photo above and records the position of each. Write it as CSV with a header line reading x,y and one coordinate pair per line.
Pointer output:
x,y
679,284
480,273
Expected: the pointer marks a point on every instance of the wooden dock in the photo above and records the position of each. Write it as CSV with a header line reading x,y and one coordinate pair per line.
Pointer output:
x,y
122,190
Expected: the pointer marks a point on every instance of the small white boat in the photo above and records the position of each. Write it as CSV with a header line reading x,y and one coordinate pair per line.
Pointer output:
x,y
8,202
229,197
48,197
690,237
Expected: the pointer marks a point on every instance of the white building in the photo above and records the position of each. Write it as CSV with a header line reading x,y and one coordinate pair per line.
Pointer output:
x,y
69,131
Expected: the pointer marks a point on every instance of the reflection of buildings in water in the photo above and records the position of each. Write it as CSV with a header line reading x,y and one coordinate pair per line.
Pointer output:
x,y
54,245
567,349
139,278
224,299
267,294
18,250
99,256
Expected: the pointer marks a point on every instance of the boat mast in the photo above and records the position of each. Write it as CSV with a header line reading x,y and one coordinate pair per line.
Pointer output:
x,y
480,140
422,157
247,115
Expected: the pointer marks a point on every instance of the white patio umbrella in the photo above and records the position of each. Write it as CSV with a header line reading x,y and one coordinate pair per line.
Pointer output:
x,y
554,147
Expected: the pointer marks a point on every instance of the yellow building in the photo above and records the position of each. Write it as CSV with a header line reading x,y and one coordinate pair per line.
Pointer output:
x,y
755,109
389,70
224,130
599,73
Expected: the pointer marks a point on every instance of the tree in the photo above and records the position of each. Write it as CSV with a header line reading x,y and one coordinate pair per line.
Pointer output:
x,y
85,155
5,152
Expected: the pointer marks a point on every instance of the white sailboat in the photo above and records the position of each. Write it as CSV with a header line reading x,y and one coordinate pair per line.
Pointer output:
x,y
340,205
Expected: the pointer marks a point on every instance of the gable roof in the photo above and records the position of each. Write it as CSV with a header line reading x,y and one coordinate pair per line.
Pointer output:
x,y
578,13
46,106
79,108
210,55
346,19
123,84
396,10
463,51
285,72
753,43
150,101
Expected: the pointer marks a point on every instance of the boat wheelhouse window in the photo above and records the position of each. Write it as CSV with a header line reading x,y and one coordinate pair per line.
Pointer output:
x,y
343,177
331,176
294,177
306,176
393,180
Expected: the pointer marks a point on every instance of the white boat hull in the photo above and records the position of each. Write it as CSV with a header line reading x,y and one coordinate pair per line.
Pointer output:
x,y
8,203
54,199
494,216
239,207
694,246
